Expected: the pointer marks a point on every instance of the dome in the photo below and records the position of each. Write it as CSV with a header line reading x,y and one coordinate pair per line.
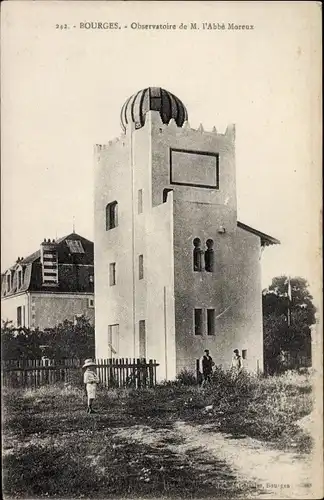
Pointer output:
x,y
152,99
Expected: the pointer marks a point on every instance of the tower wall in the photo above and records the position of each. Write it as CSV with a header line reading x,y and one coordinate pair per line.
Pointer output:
x,y
153,159
123,169
233,289
113,304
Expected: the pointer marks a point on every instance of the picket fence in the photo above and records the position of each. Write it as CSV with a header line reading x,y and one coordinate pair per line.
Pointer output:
x,y
113,373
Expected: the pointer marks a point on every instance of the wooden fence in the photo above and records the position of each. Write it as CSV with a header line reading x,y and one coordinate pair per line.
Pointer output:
x,y
124,372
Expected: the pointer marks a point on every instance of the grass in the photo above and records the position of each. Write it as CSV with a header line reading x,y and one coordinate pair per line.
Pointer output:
x,y
263,408
53,449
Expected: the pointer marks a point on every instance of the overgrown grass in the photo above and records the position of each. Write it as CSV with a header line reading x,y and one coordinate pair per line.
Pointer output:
x,y
52,448
264,408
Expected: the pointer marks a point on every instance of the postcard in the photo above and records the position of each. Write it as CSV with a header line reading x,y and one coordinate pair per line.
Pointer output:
x,y
161,249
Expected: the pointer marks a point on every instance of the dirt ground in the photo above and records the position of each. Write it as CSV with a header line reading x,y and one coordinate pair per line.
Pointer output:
x,y
267,473
143,446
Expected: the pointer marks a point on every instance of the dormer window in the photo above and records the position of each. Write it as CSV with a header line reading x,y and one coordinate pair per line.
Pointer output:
x,y
8,282
75,246
19,274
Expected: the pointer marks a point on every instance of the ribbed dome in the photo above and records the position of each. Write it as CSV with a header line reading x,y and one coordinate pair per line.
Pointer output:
x,y
154,99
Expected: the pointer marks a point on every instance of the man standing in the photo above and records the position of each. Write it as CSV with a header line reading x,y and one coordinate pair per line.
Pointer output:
x,y
206,364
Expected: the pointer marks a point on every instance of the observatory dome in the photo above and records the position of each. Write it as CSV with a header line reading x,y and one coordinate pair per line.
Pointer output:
x,y
152,99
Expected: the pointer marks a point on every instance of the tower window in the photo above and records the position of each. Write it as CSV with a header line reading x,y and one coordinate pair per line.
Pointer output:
x,y
140,201
210,321
112,273
244,353
140,267
197,255
113,340
198,322
111,215
209,256
166,191
142,339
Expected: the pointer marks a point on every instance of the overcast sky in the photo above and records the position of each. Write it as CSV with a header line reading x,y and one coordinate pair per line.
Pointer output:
x,y
62,91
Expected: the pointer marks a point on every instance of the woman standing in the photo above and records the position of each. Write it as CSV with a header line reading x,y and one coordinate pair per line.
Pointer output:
x,y
237,362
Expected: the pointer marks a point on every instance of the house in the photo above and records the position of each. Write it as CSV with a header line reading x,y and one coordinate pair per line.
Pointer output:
x,y
53,284
175,271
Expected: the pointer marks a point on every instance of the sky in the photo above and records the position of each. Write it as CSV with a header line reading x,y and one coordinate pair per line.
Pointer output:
x,y
62,91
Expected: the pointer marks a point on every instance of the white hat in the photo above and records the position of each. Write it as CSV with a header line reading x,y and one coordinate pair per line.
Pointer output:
x,y
88,362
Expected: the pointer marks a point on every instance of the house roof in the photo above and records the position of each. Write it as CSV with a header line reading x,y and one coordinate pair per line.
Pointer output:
x,y
72,236
266,240
75,259
31,258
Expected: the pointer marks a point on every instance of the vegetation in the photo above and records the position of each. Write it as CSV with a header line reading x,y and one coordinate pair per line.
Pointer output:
x,y
279,335
66,340
53,448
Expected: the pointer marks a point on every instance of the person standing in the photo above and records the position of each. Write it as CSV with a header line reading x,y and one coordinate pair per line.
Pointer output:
x,y
206,364
90,379
281,362
237,362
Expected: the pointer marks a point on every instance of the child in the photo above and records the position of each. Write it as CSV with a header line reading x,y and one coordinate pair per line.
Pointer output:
x,y
91,380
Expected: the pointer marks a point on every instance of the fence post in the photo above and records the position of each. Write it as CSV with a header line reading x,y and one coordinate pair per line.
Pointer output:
x,y
151,374
25,376
105,378
197,371
46,372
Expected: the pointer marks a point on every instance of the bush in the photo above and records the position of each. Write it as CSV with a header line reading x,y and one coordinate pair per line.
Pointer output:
x,y
186,377
66,340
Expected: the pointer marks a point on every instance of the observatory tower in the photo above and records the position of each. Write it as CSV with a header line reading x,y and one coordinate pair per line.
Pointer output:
x,y
175,272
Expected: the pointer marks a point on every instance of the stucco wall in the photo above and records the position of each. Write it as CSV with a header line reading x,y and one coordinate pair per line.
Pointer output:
x,y
160,289
113,304
169,136
122,169
47,310
233,289
9,308
170,290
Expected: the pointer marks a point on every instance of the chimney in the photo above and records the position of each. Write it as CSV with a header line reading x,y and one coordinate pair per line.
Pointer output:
x,y
49,262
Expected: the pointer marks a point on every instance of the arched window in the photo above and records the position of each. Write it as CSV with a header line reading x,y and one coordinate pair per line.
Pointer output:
x,y
209,256
197,255
111,215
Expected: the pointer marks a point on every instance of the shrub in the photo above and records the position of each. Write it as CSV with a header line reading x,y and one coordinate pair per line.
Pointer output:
x,y
186,377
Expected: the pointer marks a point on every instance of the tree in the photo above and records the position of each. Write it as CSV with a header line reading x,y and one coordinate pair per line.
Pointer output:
x,y
70,340
67,340
20,343
279,335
